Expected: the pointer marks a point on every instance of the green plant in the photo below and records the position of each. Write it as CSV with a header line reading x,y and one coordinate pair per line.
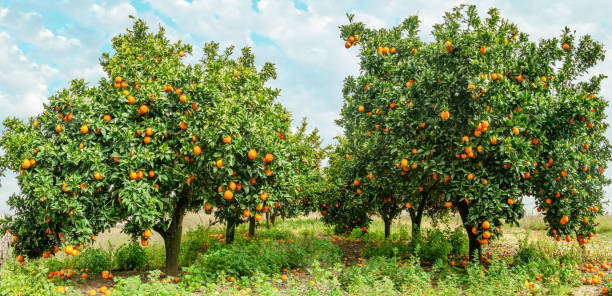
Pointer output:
x,y
135,286
130,256
94,259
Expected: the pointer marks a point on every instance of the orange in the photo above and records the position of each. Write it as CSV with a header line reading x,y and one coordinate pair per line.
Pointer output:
x,y
181,54
219,163
268,157
183,98
486,225
356,182
483,50
228,194
197,150
207,207
360,108
97,176
263,196
444,115
246,213
147,233
520,78
107,118
566,46
510,201
58,128
486,234
144,242
20,258
515,130
227,139
257,217
146,140
25,164
283,277
252,154
183,125
347,44
131,100
148,131
143,109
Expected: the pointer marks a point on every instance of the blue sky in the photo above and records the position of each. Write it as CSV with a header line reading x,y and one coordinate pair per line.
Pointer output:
x,y
45,44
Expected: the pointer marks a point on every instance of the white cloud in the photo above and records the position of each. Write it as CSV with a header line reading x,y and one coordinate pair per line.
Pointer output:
x,y
22,82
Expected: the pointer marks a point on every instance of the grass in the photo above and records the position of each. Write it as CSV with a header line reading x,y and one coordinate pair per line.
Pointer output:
x,y
315,262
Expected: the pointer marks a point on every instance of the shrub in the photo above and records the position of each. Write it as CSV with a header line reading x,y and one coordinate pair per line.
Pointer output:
x,y
134,286
130,256
95,260
246,258
381,272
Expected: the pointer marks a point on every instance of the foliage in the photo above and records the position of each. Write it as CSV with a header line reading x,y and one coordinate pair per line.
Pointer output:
x,y
134,286
261,256
95,260
130,256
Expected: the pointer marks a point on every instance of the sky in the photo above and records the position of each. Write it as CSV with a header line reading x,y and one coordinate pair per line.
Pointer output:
x,y
45,44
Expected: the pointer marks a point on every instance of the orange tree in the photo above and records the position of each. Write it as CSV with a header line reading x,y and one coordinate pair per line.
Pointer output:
x,y
486,117
154,139
340,202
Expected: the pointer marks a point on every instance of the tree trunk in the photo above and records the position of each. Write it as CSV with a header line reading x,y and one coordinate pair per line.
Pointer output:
x,y
230,230
416,225
252,227
272,218
172,235
268,220
475,247
387,228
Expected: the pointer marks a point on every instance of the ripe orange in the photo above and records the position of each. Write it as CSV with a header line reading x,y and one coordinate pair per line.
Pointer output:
x,y
227,139
197,150
252,154
143,109
448,204
360,108
148,131
283,277
181,54
20,258
356,182
25,164
183,98
183,125
347,44
58,128
444,115
147,233
263,196
219,163
257,217
268,157
470,176
486,234
207,207
510,201
146,140
228,194
483,50
486,225
97,176
131,100
566,46
118,79
246,213
515,130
